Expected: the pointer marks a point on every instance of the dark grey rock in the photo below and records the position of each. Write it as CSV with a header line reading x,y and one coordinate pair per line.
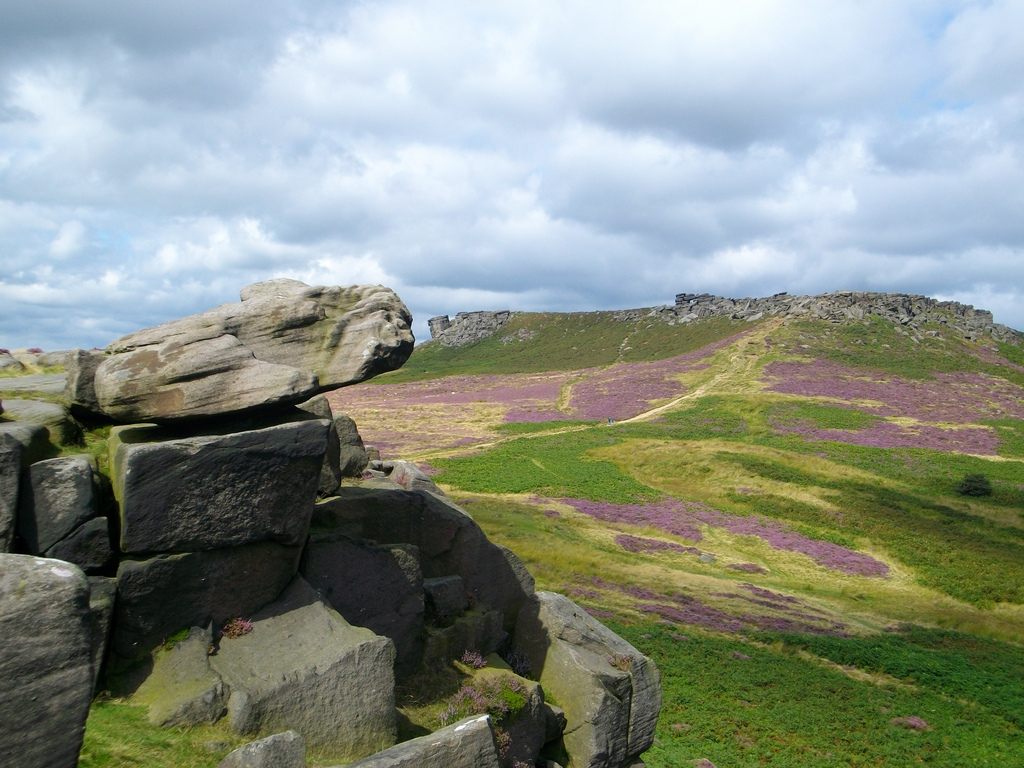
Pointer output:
x,y
466,744
10,474
445,598
330,474
182,690
479,631
282,750
57,496
377,587
45,662
88,546
164,594
216,490
449,540
33,438
102,594
80,389
610,692
303,666
352,457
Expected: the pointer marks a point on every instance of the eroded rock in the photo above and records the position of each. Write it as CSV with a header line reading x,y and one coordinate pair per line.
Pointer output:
x,y
304,667
10,474
282,750
466,744
609,691
282,343
209,491
45,662
181,689
57,496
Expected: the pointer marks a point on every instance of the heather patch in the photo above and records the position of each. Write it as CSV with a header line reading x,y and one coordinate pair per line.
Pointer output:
x,y
981,441
685,518
624,390
950,398
642,545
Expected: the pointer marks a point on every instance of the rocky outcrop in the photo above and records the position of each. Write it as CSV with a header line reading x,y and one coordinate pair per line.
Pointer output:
x,y
55,418
467,327
609,691
80,389
46,675
466,744
58,496
182,690
907,310
10,473
284,342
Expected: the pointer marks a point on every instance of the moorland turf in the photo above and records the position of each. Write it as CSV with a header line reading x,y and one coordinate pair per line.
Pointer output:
x,y
725,524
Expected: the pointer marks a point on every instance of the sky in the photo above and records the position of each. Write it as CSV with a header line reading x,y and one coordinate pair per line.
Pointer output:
x,y
528,155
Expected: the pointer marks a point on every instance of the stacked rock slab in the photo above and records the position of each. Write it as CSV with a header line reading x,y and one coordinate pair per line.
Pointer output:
x,y
284,342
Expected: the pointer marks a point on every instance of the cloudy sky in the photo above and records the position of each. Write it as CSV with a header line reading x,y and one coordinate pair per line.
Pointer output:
x,y
155,157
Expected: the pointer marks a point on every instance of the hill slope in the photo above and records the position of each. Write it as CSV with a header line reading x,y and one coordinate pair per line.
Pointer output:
x,y
772,512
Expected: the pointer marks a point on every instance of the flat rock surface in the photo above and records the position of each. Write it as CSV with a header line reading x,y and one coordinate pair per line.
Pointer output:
x,y
282,750
49,383
45,662
304,667
182,690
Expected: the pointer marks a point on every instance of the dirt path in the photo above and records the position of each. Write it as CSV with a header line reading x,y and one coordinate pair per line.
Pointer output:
x,y
737,376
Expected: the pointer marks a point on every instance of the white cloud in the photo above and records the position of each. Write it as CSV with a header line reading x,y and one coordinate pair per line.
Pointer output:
x,y
527,154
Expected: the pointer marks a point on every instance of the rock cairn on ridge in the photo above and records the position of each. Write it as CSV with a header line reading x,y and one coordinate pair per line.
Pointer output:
x,y
249,565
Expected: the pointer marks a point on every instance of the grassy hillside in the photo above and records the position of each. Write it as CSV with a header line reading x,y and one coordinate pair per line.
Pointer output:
x,y
771,511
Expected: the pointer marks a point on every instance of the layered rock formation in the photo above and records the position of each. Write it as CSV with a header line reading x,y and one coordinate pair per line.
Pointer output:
x,y
244,576
843,306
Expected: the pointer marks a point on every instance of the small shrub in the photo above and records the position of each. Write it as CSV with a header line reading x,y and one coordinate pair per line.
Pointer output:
x,y
503,740
236,627
473,659
34,351
500,697
974,485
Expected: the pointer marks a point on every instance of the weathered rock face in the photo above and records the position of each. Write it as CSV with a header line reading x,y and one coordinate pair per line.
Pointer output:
x,y
466,744
306,668
87,546
282,343
45,662
450,543
467,327
33,438
80,389
610,692
164,594
843,306
58,496
211,491
377,587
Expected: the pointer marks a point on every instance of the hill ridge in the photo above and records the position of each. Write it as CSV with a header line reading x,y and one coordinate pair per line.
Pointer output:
x,y
912,311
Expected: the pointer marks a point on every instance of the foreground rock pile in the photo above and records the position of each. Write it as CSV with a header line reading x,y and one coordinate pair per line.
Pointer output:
x,y
240,559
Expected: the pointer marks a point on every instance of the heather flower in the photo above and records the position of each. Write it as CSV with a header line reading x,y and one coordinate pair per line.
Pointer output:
x,y
473,659
911,722
236,627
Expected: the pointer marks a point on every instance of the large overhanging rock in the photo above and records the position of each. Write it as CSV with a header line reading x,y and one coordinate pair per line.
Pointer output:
x,y
282,343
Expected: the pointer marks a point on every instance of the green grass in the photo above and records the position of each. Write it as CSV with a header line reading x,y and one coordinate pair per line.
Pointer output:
x,y
1011,436
118,735
775,708
528,427
821,416
563,341
551,466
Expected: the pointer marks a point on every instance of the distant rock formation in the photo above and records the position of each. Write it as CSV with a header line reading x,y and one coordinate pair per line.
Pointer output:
x,y
844,306
467,327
